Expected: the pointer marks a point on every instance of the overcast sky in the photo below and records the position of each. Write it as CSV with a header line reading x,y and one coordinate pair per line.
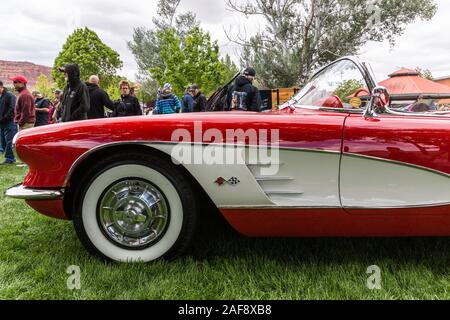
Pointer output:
x,y
35,30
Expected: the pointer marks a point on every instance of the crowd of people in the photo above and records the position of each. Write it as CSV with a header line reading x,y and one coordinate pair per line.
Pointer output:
x,y
82,101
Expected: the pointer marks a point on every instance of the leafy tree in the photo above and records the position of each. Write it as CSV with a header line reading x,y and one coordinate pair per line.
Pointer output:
x,y
44,86
301,35
232,69
348,88
195,59
85,48
146,44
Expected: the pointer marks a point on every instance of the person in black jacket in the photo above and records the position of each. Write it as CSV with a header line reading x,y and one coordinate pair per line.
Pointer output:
x,y
128,105
75,100
42,106
200,102
243,95
99,99
8,128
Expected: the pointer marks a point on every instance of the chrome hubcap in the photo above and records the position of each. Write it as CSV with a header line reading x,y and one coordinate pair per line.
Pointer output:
x,y
134,213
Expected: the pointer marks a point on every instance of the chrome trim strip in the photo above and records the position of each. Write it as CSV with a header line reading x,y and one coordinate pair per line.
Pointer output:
x,y
284,193
104,146
22,193
331,207
437,114
274,178
275,207
399,207
266,164
353,155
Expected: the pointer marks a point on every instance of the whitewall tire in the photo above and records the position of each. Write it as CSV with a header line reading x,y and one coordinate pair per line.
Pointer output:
x,y
138,210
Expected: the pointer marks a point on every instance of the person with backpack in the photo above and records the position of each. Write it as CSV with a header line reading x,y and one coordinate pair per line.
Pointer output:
x,y
128,105
167,102
243,95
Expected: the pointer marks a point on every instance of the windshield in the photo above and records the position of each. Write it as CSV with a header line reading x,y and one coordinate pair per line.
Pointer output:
x,y
341,85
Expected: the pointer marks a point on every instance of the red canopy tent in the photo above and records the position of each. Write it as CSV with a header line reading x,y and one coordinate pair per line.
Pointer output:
x,y
407,81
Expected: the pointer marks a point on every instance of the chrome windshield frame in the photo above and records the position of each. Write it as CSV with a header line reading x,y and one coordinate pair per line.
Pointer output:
x,y
362,67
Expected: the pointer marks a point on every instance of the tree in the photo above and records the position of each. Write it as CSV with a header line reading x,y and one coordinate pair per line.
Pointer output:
x,y
348,88
232,69
44,86
195,59
301,35
425,73
85,48
146,44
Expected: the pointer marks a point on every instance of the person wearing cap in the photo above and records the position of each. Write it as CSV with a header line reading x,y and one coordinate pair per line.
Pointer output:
x,y
188,101
243,95
75,101
99,99
25,110
167,102
200,102
42,106
8,128
127,106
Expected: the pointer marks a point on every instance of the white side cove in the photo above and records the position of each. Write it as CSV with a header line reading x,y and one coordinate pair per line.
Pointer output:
x,y
377,183
304,179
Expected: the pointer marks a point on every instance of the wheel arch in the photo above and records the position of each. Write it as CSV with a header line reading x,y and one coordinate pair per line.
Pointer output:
x,y
75,175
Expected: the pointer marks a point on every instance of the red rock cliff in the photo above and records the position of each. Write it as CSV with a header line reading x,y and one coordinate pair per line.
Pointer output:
x,y
30,70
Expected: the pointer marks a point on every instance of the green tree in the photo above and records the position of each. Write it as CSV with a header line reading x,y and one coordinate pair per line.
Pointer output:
x,y
301,35
195,59
44,86
348,88
146,44
85,48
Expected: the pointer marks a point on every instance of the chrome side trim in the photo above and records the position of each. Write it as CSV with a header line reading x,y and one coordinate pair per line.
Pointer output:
x,y
438,114
22,193
276,208
283,193
325,207
274,178
398,163
434,205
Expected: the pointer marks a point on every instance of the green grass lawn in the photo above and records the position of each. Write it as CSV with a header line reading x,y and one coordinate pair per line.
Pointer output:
x,y
35,252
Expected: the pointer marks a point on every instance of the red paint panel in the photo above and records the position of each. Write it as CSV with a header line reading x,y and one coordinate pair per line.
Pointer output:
x,y
53,208
414,140
51,151
338,223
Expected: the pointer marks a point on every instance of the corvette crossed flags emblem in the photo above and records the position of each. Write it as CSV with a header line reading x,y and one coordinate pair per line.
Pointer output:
x,y
232,182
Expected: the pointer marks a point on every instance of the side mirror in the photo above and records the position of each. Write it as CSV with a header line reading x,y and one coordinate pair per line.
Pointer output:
x,y
378,102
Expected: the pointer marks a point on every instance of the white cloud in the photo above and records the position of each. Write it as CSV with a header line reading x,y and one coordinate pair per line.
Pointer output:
x,y
36,30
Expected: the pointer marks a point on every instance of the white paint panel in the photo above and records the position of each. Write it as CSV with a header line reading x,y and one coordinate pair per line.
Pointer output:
x,y
314,180
247,193
374,183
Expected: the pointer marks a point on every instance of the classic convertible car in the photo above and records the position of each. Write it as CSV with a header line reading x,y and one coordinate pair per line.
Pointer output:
x,y
328,163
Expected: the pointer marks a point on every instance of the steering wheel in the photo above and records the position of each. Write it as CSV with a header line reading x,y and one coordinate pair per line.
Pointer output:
x,y
330,102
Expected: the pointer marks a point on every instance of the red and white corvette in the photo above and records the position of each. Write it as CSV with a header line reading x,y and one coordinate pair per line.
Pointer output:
x,y
316,167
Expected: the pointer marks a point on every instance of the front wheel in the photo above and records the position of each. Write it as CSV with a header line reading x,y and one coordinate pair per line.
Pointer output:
x,y
135,208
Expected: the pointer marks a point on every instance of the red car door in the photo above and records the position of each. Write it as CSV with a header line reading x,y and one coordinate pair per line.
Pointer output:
x,y
395,163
